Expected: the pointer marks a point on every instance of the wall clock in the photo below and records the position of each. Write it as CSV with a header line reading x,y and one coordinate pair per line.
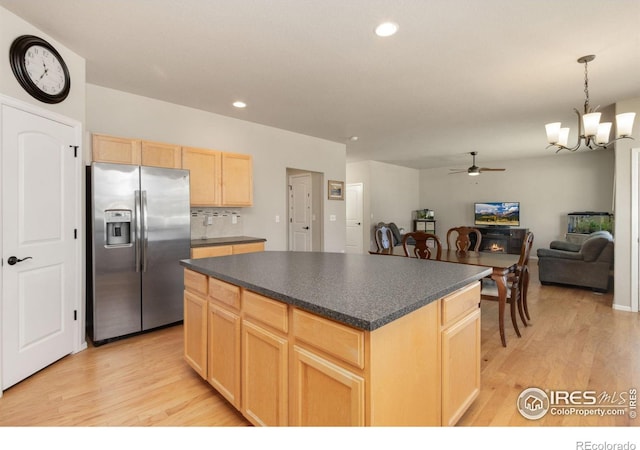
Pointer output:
x,y
40,69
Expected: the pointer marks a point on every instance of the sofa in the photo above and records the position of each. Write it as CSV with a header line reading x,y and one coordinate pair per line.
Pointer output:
x,y
587,265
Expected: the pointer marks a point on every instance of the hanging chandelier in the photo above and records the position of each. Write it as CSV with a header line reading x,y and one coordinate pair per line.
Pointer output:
x,y
591,132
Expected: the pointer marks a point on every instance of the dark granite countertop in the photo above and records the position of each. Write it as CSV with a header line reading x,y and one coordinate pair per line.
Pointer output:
x,y
363,291
230,240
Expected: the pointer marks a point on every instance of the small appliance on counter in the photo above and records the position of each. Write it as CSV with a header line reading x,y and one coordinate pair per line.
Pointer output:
x,y
139,228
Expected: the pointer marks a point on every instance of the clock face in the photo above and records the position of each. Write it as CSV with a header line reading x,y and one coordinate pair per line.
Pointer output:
x,y
40,69
44,69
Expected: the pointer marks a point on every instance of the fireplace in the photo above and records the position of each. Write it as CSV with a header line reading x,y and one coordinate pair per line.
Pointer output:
x,y
501,239
498,244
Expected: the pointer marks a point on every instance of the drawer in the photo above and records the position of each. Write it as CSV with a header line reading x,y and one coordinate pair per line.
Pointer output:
x,y
458,304
341,341
265,310
209,252
224,292
194,281
248,248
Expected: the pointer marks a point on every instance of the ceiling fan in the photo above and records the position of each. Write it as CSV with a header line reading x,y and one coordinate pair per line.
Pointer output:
x,y
474,170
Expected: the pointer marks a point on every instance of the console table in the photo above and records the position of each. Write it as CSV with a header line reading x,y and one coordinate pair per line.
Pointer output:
x,y
502,239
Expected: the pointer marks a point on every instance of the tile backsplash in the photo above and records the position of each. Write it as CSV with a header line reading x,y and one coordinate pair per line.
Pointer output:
x,y
215,222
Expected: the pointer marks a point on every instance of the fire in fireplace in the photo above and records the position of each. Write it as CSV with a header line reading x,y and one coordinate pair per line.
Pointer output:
x,y
494,244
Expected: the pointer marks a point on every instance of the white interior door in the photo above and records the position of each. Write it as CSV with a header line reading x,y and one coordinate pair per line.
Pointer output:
x,y
39,222
355,207
300,213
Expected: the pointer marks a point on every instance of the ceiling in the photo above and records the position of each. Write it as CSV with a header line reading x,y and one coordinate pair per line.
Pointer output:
x,y
459,76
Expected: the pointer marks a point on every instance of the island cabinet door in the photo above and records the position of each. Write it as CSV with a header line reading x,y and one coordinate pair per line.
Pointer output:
x,y
195,332
264,373
195,321
460,367
325,394
224,352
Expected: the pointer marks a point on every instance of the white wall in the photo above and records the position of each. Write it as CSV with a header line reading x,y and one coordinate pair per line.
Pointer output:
x,y
624,221
548,188
122,114
390,194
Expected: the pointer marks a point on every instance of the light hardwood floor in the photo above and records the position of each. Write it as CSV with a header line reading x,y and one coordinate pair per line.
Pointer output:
x,y
576,342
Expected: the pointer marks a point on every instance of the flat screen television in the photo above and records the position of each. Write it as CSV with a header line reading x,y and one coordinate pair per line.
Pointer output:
x,y
506,214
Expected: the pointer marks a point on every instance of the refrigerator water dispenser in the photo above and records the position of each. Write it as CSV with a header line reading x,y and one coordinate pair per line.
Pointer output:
x,y
118,226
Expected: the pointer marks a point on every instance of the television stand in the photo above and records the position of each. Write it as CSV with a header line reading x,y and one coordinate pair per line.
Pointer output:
x,y
502,239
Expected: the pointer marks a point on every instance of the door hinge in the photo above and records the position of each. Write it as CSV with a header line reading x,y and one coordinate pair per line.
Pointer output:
x,y
75,314
75,233
290,187
75,150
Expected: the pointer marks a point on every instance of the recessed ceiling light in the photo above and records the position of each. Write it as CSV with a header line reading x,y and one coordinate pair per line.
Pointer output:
x,y
353,138
387,29
239,104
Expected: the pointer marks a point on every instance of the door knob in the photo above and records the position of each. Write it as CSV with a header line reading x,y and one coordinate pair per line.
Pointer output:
x,y
13,260
358,223
305,228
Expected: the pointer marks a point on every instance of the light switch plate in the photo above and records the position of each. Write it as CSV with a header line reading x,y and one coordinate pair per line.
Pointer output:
x,y
332,218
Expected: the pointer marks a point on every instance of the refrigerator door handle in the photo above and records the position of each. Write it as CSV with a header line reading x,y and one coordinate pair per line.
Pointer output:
x,y
145,231
138,226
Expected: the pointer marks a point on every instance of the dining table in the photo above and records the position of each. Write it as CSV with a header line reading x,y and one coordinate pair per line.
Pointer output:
x,y
501,264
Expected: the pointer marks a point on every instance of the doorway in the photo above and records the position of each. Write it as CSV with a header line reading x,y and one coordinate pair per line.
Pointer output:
x,y
355,213
305,210
40,240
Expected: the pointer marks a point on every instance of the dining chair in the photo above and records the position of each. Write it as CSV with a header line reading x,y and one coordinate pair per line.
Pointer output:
x,y
527,245
517,286
462,236
424,245
384,239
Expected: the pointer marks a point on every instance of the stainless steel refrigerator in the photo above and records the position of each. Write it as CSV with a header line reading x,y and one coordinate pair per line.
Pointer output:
x,y
139,219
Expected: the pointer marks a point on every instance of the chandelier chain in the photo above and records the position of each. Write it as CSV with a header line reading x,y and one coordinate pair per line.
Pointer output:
x,y
586,88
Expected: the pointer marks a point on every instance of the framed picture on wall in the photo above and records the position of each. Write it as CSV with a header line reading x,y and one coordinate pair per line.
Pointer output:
x,y
336,190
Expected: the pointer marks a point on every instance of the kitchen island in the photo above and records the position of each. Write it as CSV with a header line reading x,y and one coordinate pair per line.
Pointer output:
x,y
304,338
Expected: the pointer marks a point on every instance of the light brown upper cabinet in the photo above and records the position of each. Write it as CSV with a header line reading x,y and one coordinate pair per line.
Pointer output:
x,y
116,150
205,167
135,151
157,154
237,179
216,178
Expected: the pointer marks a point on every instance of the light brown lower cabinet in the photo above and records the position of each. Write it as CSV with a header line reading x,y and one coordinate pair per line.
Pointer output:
x,y
224,339
324,393
264,374
195,324
224,352
280,365
195,321
460,353
225,250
